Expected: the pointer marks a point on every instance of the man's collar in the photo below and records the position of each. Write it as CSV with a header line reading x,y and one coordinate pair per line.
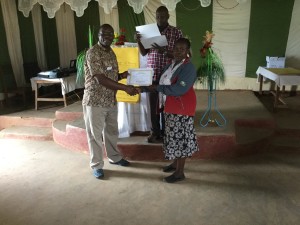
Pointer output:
x,y
102,47
166,27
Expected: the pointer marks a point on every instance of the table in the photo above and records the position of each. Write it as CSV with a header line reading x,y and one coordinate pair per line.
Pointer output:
x,y
281,77
68,84
134,117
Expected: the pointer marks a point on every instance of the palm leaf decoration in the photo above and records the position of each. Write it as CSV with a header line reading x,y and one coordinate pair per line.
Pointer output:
x,y
81,59
211,70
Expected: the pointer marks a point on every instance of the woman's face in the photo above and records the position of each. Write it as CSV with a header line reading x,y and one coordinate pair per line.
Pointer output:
x,y
180,51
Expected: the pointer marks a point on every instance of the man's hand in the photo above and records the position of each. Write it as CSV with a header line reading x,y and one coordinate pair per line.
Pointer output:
x,y
131,90
137,36
123,75
159,48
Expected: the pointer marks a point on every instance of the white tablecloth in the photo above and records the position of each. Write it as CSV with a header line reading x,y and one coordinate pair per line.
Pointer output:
x,y
68,84
134,117
283,79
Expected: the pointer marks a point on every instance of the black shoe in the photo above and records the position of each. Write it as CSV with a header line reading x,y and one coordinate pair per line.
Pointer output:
x,y
122,162
155,139
169,168
173,178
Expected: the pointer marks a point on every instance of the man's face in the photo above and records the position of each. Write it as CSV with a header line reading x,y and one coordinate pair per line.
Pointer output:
x,y
162,18
106,36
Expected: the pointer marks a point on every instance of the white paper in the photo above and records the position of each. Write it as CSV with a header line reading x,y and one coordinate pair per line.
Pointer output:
x,y
150,35
149,30
140,77
160,40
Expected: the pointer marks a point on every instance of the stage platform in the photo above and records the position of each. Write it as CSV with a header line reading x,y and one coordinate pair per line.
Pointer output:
x,y
250,128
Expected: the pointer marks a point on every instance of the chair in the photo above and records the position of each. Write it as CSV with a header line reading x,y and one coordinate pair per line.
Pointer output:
x,y
6,90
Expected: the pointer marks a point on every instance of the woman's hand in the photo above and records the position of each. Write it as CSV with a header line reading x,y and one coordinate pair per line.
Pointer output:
x,y
152,88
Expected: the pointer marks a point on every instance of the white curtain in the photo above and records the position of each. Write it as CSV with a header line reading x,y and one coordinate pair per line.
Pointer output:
x,y
11,24
231,28
292,51
38,36
112,18
150,9
66,35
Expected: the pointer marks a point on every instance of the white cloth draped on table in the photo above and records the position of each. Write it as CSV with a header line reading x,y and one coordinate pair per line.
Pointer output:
x,y
134,117
68,84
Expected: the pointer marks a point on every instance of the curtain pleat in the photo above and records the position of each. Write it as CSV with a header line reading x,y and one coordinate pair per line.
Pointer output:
x,y
231,28
66,35
112,18
129,20
38,36
11,24
293,46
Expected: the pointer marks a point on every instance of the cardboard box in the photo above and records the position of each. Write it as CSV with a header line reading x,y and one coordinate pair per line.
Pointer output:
x,y
275,62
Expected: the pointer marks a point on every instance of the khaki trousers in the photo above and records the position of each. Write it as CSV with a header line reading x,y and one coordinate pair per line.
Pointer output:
x,y
102,133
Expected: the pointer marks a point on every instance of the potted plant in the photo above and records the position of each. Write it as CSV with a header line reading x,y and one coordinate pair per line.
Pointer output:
x,y
211,72
81,59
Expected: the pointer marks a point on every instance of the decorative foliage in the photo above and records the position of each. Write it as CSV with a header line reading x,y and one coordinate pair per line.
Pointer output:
x,y
120,38
81,59
211,70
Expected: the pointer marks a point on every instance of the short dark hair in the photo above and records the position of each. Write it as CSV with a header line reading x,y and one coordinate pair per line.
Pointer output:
x,y
184,41
162,9
105,25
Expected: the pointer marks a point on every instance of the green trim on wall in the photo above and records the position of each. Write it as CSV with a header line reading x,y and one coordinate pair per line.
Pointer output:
x,y
27,38
194,20
268,33
128,19
90,17
50,41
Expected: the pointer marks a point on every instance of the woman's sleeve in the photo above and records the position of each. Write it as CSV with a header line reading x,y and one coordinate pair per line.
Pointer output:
x,y
185,80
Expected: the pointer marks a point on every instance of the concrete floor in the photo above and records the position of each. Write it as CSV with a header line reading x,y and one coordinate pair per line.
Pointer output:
x,y
44,184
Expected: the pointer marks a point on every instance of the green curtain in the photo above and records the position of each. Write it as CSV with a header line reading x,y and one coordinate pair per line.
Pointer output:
x,y
90,17
128,19
27,38
194,20
50,41
5,64
268,33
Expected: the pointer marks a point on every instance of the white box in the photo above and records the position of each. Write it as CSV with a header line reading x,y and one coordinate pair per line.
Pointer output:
x,y
275,62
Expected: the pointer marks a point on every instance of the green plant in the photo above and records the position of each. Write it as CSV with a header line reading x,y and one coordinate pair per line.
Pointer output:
x,y
81,59
211,70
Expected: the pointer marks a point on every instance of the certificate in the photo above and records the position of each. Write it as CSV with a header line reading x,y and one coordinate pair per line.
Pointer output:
x,y
150,34
140,77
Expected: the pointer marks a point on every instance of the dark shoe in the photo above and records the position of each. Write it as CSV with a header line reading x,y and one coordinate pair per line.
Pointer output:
x,y
173,178
169,168
98,173
122,162
155,139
